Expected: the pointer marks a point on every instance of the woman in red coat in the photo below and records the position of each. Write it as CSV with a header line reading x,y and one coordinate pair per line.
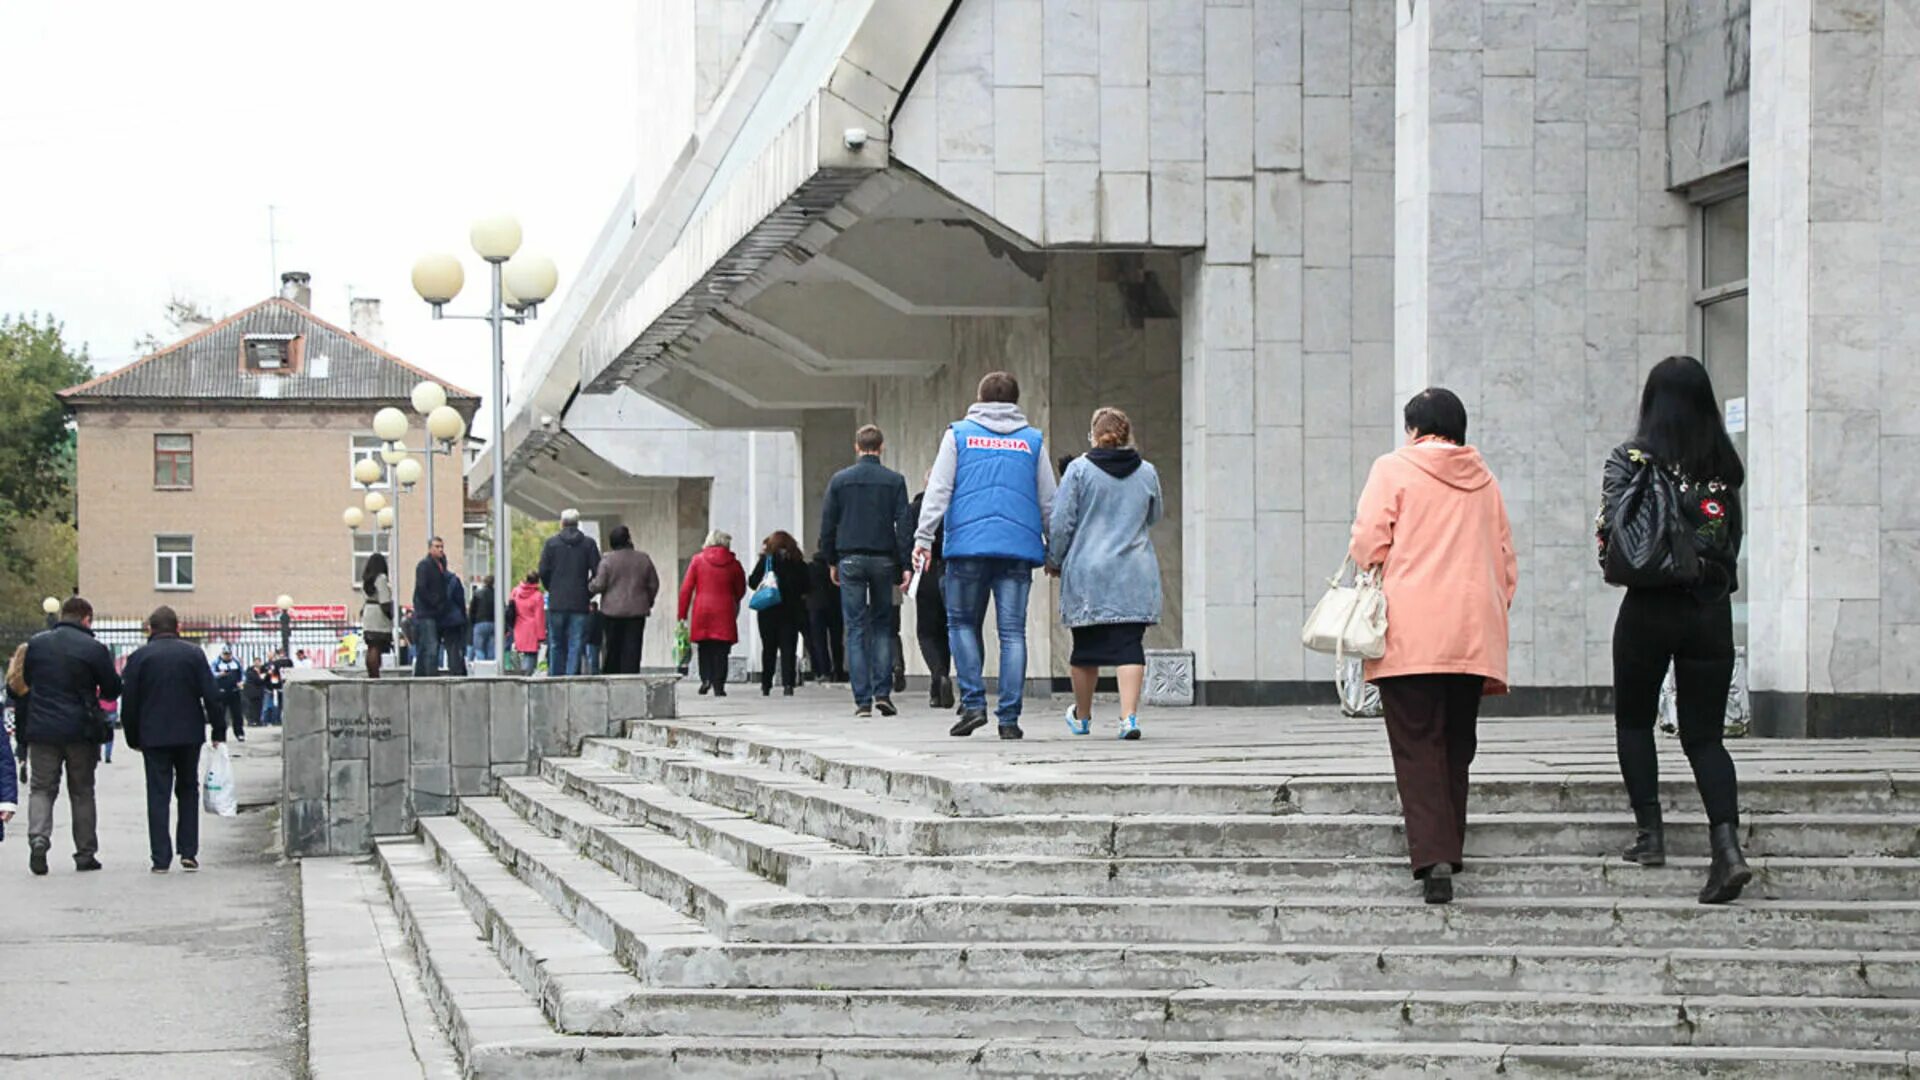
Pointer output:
x,y
712,590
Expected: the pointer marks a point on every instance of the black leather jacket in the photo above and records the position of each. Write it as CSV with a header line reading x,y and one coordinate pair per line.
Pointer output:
x,y
1711,509
67,672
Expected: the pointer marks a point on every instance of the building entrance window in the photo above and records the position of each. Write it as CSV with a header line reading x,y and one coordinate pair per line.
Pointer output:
x,y
1719,330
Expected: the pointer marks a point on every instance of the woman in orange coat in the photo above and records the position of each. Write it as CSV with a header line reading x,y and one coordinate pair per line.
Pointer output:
x,y
711,593
1432,521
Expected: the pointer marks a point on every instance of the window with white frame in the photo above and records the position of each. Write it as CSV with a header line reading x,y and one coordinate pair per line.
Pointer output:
x,y
368,446
364,545
173,562
1719,323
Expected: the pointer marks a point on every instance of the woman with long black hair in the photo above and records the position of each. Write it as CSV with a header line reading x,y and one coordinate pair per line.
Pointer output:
x,y
376,612
1679,613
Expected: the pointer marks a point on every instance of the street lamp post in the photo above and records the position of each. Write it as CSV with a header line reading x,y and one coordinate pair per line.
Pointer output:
x,y
522,286
285,604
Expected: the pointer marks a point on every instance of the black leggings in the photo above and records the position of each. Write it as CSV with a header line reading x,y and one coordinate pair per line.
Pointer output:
x,y
1656,626
779,640
713,663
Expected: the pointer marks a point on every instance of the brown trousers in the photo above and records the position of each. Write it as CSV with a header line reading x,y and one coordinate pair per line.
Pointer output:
x,y
1431,722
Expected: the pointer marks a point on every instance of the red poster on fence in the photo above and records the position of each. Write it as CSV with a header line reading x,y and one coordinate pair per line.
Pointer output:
x,y
303,612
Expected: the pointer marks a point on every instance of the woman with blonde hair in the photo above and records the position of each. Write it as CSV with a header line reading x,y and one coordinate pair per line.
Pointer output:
x,y
1100,547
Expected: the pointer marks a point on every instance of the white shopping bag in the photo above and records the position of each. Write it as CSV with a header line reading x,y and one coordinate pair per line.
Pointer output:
x,y
216,782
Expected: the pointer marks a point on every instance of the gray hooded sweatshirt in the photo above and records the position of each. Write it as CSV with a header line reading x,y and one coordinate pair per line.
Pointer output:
x,y
1001,418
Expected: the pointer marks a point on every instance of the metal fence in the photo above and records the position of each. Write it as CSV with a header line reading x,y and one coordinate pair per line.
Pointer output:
x,y
325,643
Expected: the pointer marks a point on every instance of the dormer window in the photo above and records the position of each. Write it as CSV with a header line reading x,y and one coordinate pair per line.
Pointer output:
x,y
270,354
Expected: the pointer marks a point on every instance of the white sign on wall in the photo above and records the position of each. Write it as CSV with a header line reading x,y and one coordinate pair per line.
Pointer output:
x,y
1736,415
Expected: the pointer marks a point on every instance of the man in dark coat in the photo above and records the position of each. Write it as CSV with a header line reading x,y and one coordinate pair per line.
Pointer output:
x,y
452,623
169,700
480,618
227,675
429,603
567,563
69,673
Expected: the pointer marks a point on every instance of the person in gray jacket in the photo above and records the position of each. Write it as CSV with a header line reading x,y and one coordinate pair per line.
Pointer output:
x,y
1099,546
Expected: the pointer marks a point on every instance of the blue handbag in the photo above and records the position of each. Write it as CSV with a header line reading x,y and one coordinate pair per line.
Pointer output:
x,y
768,594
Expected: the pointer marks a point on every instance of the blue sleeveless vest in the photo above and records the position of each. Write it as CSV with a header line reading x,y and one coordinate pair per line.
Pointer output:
x,y
995,512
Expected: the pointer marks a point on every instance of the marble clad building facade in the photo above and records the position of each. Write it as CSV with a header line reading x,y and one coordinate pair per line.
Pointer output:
x,y
1258,226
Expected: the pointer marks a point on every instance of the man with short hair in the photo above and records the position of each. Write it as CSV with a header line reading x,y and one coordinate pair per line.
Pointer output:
x,y
991,488
429,606
567,562
68,673
865,536
169,700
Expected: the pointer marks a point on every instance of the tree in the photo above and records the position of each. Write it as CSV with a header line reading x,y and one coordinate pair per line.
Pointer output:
x,y
529,536
35,442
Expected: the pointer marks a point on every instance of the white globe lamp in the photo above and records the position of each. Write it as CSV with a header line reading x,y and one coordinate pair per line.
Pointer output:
x,y
392,453
374,502
530,278
352,517
390,424
284,603
495,238
428,396
438,278
50,605
407,472
445,423
384,518
366,472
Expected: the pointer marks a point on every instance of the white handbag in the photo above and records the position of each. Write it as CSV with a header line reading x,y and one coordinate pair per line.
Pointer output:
x,y
1350,620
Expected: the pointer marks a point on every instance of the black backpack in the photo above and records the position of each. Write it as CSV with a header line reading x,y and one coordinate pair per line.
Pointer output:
x,y
1649,544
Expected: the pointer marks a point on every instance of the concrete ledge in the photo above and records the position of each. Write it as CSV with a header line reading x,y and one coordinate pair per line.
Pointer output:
x,y
367,758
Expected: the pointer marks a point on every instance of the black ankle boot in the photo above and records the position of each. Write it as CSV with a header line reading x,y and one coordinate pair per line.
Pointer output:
x,y
936,693
1439,884
1650,845
1729,872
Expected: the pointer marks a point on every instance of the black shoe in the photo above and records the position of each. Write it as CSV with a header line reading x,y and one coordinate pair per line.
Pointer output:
x,y
189,865
862,712
156,869
946,694
705,686
885,705
1650,844
970,722
933,693
900,682
88,863
720,690
1438,884
37,862
1729,872
1011,731
786,691
766,690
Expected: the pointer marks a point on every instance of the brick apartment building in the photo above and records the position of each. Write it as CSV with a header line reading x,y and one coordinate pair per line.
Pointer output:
x,y
211,474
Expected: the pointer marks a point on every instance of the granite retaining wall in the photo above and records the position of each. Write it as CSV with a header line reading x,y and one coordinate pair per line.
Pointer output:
x,y
365,758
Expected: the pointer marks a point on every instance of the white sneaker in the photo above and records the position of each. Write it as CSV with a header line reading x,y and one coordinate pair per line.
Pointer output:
x,y
1129,727
1077,725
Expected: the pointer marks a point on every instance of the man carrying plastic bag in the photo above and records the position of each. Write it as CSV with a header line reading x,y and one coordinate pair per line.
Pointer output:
x,y
169,700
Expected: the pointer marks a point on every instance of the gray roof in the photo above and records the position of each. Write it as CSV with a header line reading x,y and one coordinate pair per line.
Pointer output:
x,y
337,366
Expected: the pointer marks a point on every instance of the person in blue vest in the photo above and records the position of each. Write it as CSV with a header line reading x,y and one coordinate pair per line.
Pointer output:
x,y
991,489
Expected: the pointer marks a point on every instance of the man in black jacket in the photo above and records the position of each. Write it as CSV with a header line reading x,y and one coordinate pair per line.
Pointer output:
x,y
567,563
866,535
429,601
69,673
480,618
169,700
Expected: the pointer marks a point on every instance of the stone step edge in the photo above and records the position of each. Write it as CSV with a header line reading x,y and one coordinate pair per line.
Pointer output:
x,y
808,864
436,923
737,919
573,976
931,783
883,1059
886,826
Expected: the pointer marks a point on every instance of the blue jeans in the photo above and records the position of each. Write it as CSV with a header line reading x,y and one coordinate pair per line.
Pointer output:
x,y
592,663
566,639
967,585
270,708
865,584
426,647
482,648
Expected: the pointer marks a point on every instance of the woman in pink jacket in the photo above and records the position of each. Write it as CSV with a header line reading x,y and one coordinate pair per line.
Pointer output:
x,y
1432,521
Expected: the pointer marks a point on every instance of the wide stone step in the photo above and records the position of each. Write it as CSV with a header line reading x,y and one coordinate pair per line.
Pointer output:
x,y
739,906
947,788
884,826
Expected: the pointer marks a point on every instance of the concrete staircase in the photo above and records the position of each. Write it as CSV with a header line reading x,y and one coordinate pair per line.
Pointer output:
x,y
689,902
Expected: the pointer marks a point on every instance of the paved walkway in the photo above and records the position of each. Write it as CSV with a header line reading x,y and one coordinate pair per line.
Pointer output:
x,y
124,973
1229,743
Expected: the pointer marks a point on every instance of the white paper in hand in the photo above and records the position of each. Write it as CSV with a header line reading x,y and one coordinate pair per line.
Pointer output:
x,y
913,586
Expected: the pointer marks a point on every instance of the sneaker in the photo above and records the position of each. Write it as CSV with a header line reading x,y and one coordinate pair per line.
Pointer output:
x,y
862,712
37,862
86,864
189,865
969,723
885,705
1130,727
1077,725
239,736
1011,731
156,870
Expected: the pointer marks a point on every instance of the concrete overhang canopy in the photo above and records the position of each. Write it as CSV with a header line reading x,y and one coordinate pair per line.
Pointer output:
x,y
566,473
845,65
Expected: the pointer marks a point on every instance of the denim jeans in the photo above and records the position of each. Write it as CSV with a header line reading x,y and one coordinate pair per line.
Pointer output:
x,y
590,665
566,640
968,584
865,582
482,648
453,643
426,648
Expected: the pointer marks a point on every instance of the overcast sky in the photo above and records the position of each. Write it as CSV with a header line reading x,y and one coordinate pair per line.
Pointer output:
x,y
141,144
